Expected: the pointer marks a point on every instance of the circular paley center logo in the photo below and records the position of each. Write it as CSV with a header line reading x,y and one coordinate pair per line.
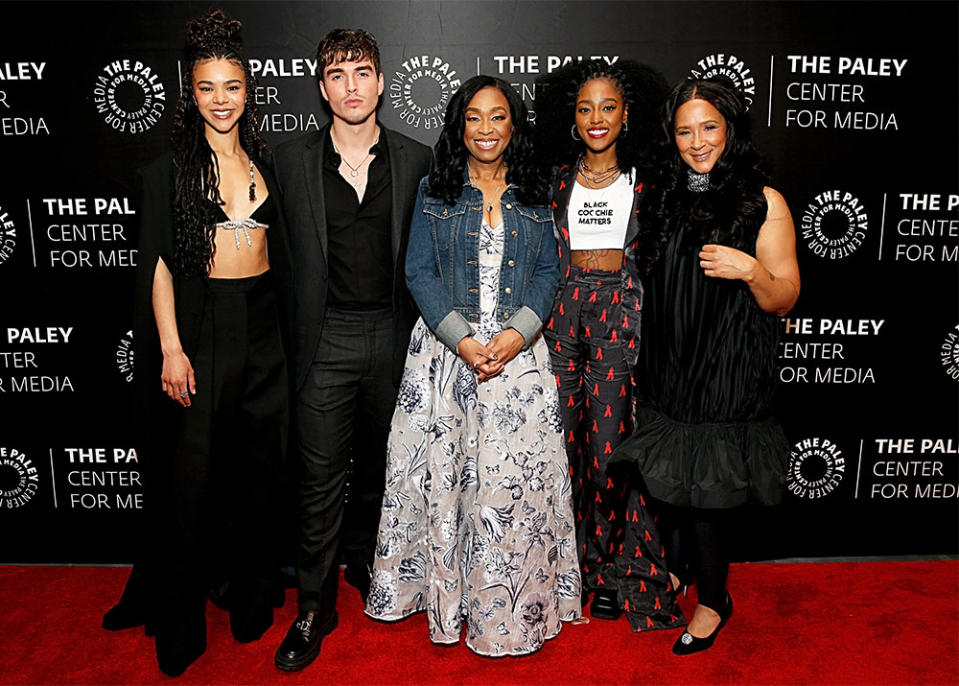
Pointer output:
x,y
816,468
420,89
8,235
834,224
19,480
730,66
949,353
124,356
129,95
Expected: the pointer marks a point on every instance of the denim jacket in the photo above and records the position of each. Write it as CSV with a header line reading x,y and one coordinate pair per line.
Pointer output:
x,y
442,264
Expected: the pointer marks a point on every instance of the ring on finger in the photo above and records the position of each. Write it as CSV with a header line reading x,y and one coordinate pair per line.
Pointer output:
x,y
183,394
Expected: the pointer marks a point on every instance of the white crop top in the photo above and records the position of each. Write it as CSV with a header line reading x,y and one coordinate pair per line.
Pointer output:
x,y
598,216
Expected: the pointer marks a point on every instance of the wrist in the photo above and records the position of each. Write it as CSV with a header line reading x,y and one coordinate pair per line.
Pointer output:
x,y
755,274
171,351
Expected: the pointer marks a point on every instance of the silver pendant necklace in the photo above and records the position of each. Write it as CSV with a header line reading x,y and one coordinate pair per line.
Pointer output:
x,y
355,171
497,192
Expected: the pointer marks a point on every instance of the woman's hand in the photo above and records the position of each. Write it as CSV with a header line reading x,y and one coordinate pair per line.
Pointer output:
x,y
773,275
178,379
177,374
505,346
475,354
723,262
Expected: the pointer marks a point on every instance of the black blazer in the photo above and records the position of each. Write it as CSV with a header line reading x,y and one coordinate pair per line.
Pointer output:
x,y
298,165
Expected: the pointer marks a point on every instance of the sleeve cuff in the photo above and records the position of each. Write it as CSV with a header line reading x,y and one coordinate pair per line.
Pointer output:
x,y
527,323
452,329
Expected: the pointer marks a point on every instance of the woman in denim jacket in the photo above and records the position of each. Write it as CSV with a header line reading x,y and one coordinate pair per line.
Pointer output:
x,y
477,519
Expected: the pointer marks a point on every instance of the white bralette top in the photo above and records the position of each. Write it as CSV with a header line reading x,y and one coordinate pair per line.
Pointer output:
x,y
598,216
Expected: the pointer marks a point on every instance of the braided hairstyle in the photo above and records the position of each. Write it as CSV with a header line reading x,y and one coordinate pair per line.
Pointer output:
x,y
196,187
729,212
642,89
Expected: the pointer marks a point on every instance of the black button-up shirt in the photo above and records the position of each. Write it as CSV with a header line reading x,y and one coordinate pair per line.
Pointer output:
x,y
359,234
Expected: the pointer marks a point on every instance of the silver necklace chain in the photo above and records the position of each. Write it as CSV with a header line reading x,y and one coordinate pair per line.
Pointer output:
x,y
497,192
597,179
354,171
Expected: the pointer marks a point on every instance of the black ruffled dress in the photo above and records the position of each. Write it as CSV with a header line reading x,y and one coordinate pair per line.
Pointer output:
x,y
707,376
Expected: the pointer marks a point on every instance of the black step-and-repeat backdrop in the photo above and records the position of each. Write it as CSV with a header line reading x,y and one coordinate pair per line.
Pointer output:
x,y
855,105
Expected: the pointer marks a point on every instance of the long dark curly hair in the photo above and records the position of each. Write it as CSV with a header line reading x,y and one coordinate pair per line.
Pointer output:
x,y
446,177
196,197
732,208
642,89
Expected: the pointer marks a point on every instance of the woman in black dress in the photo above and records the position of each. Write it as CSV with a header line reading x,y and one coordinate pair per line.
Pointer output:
x,y
718,253
212,432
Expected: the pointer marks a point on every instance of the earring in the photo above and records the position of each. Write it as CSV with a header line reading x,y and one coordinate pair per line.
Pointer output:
x,y
625,127
572,133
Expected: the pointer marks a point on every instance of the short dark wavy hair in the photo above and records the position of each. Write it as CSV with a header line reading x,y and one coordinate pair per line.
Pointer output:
x,y
446,177
642,88
347,45
733,208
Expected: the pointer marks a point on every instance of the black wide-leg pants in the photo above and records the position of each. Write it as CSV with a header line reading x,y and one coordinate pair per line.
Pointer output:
x,y
224,474
595,395
343,415
619,550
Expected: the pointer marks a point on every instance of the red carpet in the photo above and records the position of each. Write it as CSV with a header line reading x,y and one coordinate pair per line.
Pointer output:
x,y
833,623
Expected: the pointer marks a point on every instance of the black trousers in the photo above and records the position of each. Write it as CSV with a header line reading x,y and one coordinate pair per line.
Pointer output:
x,y
595,397
218,495
342,416
696,545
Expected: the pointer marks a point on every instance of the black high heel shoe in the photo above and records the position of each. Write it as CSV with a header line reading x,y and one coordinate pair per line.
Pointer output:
x,y
687,644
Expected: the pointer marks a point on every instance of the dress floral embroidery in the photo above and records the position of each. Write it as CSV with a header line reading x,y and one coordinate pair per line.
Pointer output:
x,y
477,522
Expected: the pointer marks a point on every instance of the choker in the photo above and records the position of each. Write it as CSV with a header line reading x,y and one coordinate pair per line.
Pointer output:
x,y
697,182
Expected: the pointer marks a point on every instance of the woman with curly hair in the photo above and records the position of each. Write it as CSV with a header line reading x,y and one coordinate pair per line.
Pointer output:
x,y
213,430
477,522
719,258
594,125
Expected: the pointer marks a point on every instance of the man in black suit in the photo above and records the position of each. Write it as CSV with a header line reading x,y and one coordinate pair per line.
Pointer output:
x,y
348,192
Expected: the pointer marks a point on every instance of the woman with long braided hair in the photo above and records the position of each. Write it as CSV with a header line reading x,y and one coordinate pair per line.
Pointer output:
x,y
210,276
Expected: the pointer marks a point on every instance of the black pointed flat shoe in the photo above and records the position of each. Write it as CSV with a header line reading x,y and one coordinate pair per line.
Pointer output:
x,y
123,616
687,644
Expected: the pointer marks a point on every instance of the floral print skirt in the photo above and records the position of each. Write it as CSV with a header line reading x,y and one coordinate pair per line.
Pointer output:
x,y
477,525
